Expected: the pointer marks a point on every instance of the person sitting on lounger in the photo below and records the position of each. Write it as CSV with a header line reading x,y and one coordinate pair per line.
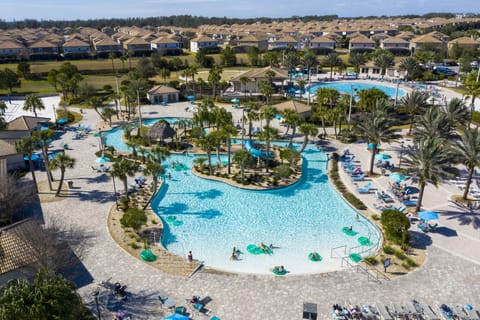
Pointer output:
x,y
279,269
234,256
314,255
350,228
264,247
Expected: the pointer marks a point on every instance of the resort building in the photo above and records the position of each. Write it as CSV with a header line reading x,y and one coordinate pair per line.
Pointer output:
x,y
322,44
76,49
12,159
202,42
426,42
11,50
254,76
106,46
43,50
465,42
253,41
361,43
395,45
283,42
163,94
137,47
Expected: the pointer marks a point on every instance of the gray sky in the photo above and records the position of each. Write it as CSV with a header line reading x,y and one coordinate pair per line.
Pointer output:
x,y
90,9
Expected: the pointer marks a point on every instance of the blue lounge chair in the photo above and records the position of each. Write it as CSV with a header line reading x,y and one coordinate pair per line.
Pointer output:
x,y
409,203
359,177
365,189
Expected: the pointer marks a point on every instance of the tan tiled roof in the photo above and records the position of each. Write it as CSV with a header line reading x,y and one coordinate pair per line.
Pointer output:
x,y
42,44
260,74
299,107
10,44
465,41
361,39
162,89
7,148
25,123
106,42
135,40
322,40
203,39
164,40
76,43
426,39
395,40
15,251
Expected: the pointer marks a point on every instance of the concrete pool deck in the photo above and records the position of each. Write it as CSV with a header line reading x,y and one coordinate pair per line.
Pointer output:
x,y
449,274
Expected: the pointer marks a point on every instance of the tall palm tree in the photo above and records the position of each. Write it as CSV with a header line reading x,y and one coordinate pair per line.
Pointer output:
x,y
409,64
332,61
292,120
433,124
268,114
33,103
266,89
376,127
244,80
307,129
229,131
457,113
160,154
112,56
62,162
467,151
384,61
356,60
44,137
429,161
414,103
26,146
155,169
123,169
165,73
243,158
214,77
193,70
252,115
207,143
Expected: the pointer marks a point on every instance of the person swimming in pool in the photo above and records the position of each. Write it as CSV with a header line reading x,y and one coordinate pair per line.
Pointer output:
x,y
314,255
264,247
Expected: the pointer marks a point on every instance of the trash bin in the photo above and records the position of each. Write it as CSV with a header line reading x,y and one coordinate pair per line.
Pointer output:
x,y
309,311
70,183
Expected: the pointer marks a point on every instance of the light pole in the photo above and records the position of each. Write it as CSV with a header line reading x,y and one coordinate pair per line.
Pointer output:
x,y
54,113
95,296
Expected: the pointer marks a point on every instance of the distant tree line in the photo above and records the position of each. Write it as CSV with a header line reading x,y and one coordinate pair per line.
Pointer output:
x,y
183,21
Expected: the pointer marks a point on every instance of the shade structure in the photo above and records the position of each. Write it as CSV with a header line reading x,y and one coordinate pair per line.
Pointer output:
x,y
382,156
161,130
62,121
176,316
191,97
235,100
398,177
102,160
428,215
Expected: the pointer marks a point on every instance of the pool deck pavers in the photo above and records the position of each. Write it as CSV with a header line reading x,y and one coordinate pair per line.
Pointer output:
x,y
450,273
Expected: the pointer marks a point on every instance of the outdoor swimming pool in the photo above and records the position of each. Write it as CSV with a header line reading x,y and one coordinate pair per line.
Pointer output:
x,y
212,217
349,87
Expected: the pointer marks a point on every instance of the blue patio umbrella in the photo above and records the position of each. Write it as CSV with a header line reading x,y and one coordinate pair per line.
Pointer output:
x,y
62,121
102,160
398,177
176,316
191,97
428,215
382,156
235,100
370,146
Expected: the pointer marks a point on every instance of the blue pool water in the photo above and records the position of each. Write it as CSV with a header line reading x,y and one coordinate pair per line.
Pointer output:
x,y
349,87
214,217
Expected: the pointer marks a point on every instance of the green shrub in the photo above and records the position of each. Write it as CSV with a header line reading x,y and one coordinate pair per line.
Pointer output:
x,y
133,218
154,221
123,201
388,249
282,171
371,260
406,265
476,117
350,197
395,224
375,216
400,255
134,245
411,262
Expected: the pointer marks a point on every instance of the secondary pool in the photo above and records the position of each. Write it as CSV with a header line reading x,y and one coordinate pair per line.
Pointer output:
x,y
350,87
210,218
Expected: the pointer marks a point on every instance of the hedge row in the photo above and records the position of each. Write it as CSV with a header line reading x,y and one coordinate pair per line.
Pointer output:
x,y
350,197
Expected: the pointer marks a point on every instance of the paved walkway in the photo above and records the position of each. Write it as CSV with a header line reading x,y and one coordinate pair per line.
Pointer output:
x,y
445,277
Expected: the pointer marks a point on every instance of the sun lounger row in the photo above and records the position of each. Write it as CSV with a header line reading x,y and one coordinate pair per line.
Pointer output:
x,y
409,310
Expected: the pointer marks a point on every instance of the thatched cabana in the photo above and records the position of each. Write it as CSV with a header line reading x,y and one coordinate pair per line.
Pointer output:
x,y
160,131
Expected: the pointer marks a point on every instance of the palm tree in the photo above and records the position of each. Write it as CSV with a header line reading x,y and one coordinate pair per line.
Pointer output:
x,y
467,151
292,120
33,103
307,129
252,115
207,143
108,113
214,77
332,61
44,136
413,103
123,169
112,56
457,113
356,60
229,131
26,146
133,143
409,64
193,70
472,90
376,127
164,73
244,80
155,169
268,114
266,89
243,158
384,61
433,124
202,84
62,162
428,162
160,154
